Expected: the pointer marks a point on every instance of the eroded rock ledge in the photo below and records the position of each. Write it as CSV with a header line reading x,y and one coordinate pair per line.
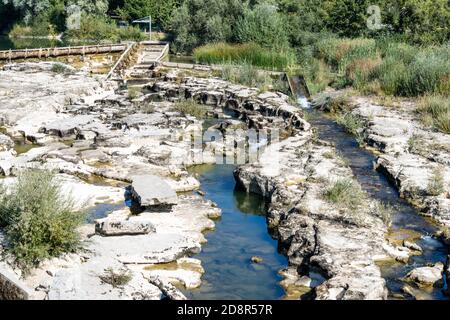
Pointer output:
x,y
106,134
330,249
412,156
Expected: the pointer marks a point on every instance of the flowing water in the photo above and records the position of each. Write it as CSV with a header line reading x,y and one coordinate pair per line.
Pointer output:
x,y
407,223
240,234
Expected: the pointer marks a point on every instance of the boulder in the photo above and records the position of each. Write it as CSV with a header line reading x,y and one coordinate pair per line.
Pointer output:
x,y
150,191
427,276
6,143
113,227
412,246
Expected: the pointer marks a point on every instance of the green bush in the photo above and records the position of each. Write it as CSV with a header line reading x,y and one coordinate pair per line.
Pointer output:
x,y
38,219
246,75
61,69
40,27
97,28
263,25
190,107
250,53
345,192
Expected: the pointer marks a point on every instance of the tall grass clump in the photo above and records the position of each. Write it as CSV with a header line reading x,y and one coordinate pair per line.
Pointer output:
x,y
38,219
345,192
249,53
403,74
190,107
435,111
340,52
436,182
246,75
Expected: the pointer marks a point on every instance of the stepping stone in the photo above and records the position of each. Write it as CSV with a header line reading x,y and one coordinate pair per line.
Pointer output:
x,y
112,227
150,190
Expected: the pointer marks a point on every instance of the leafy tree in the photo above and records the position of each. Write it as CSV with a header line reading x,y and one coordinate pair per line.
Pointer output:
x,y
197,22
8,14
160,11
263,25
29,8
347,18
420,21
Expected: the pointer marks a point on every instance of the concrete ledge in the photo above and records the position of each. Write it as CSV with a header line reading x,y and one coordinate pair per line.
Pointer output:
x,y
11,288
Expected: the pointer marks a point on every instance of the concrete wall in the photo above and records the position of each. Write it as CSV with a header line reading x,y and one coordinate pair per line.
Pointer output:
x,y
11,288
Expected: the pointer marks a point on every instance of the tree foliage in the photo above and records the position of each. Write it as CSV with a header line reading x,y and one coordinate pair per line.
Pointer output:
x,y
160,11
263,25
198,22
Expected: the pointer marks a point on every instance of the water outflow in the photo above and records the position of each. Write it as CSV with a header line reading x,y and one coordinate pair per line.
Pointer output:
x,y
407,224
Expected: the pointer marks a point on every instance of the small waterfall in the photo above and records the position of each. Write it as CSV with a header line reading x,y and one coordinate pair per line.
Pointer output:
x,y
299,89
303,102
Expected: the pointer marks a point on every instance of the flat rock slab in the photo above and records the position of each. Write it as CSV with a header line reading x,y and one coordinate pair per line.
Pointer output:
x,y
145,249
427,276
6,142
150,190
115,227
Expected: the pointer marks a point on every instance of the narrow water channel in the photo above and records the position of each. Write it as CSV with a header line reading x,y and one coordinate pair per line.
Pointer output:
x,y
407,224
240,234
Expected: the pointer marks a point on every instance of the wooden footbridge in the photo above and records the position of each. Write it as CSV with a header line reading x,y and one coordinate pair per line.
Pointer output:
x,y
10,55
147,53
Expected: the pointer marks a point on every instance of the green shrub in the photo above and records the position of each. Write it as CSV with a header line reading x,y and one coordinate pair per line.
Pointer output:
x,y
246,75
116,279
317,75
61,69
38,219
426,73
345,192
330,102
133,93
262,25
353,125
391,73
437,109
39,27
250,53
98,28
190,107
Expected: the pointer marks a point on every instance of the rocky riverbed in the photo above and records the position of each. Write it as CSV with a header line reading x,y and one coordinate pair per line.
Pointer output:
x,y
99,138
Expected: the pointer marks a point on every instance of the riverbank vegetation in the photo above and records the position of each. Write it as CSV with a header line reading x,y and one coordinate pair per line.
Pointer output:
x,y
398,48
39,221
248,53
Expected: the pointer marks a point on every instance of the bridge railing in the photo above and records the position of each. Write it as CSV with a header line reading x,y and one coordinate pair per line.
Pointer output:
x,y
60,51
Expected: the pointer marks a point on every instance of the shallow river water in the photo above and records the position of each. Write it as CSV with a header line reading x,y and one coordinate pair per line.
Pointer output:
x,y
240,234
406,221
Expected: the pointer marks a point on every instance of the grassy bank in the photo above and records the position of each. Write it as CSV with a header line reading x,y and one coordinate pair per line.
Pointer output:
x,y
382,67
249,54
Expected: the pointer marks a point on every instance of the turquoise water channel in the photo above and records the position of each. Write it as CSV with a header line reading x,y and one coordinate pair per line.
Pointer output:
x,y
240,234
